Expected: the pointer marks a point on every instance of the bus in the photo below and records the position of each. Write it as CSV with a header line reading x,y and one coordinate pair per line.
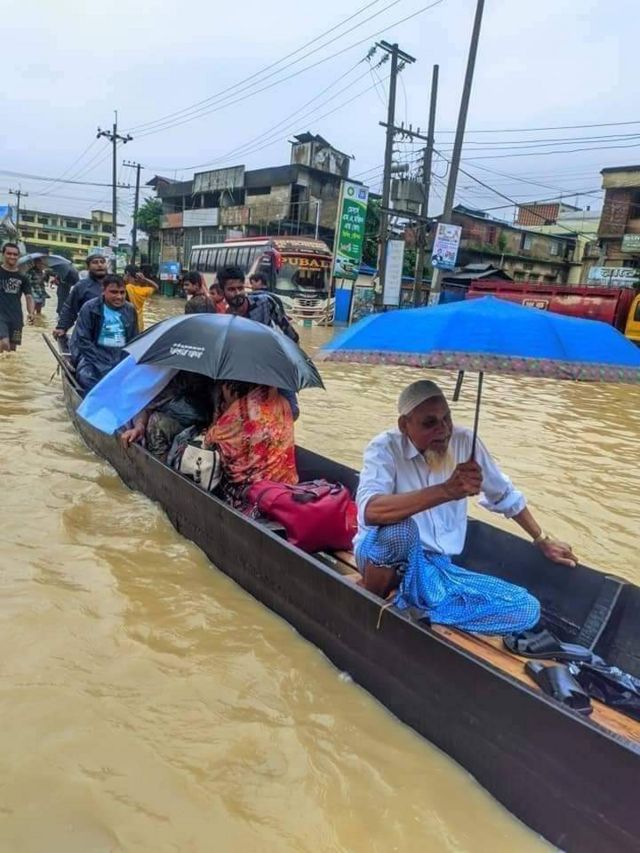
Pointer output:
x,y
298,270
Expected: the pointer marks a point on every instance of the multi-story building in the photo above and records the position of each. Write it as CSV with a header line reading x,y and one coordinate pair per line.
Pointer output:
x,y
71,236
300,198
521,253
565,220
619,232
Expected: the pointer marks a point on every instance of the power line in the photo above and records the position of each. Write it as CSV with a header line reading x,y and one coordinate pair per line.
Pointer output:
x,y
267,133
248,82
550,127
296,73
548,153
65,181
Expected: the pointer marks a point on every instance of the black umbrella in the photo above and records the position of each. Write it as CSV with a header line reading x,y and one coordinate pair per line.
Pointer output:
x,y
226,347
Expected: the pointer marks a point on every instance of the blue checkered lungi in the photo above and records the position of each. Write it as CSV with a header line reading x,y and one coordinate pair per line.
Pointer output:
x,y
448,594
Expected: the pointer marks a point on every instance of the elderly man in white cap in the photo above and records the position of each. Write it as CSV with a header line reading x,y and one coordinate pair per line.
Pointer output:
x,y
412,517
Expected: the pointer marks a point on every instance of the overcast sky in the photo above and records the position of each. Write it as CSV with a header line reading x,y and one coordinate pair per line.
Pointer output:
x,y
543,64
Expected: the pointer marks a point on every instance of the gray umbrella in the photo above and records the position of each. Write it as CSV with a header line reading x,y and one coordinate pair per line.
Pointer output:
x,y
226,347
57,263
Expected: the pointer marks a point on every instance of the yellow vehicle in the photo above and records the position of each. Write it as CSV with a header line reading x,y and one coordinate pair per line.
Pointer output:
x,y
632,329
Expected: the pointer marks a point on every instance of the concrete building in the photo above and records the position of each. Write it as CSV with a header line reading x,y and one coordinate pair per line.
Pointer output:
x,y
542,212
523,254
619,232
58,233
300,198
564,220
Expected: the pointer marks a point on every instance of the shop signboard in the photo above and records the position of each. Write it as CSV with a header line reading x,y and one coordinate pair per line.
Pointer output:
x,y
350,225
201,217
631,243
614,276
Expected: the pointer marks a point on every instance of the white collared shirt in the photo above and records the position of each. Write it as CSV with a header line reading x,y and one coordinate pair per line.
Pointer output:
x,y
392,465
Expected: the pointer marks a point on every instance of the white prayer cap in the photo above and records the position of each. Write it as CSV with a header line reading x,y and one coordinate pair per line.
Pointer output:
x,y
417,393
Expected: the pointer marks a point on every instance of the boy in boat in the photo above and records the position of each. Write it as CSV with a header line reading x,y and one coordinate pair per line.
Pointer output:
x,y
105,325
412,517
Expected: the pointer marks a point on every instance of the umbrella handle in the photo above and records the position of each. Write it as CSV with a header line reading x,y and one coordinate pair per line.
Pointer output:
x,y
476,417
458,388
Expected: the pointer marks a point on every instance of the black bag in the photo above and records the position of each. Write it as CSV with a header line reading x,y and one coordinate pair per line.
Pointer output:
x,y
610,685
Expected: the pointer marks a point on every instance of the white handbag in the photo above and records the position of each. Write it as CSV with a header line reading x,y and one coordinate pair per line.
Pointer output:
x,y
201,464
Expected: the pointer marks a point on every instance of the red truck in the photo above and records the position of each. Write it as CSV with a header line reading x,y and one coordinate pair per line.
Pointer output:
x,y
617,306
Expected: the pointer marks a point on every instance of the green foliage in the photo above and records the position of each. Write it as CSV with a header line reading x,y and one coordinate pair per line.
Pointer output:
x,y
149,216
502,241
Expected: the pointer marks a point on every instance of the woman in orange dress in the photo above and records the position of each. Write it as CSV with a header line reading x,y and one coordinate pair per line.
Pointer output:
x,y
253,433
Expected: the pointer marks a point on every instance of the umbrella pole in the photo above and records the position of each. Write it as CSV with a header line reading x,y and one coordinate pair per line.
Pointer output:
x,y
458,388
477,416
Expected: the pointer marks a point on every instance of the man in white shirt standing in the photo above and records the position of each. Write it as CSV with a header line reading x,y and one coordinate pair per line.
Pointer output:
x,y
412,518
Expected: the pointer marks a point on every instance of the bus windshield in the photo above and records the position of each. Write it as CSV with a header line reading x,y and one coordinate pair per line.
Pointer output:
x,y
303,273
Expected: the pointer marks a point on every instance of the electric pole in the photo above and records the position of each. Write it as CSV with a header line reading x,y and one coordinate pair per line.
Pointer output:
x,y
113,136
397,56
454,165
423,228
134,230
18,194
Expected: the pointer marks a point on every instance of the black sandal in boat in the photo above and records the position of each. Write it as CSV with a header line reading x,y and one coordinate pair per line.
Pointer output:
x,y
556,681
542,645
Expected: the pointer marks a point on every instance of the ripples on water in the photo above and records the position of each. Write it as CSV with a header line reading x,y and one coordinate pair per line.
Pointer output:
x,y
149,704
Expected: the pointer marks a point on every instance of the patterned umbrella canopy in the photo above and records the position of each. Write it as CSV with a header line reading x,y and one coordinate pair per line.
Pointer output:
x,y
494,336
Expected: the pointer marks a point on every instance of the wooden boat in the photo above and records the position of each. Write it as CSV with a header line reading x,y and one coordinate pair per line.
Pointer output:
x,y
570,778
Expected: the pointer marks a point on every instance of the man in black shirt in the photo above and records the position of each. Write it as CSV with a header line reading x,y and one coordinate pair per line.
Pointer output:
x,y
13,285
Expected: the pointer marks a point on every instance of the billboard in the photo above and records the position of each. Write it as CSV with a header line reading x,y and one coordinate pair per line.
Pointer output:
x,y
219,179
393,272
350,224
445,246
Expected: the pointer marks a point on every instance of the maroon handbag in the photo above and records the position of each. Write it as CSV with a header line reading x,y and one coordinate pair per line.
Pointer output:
x,y
317,515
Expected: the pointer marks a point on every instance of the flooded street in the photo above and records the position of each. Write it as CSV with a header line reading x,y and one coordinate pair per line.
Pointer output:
x,y
149,704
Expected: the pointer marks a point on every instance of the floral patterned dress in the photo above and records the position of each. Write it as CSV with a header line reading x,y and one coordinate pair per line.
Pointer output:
x,y
255,439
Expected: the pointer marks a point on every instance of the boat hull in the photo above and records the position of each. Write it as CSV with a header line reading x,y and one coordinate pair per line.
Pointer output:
x,y
567,778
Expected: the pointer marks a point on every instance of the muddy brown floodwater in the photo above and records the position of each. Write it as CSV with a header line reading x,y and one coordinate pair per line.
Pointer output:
x,y
149,704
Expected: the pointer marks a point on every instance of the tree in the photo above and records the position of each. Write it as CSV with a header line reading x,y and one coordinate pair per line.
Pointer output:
x,y
149,216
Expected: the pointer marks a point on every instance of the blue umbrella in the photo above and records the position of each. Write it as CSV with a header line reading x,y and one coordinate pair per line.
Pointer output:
x,y
494,336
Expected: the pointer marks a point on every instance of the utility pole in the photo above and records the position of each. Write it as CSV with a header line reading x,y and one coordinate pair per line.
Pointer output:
x,y
423,227
18,194
134,230
113,136
397,56
454,165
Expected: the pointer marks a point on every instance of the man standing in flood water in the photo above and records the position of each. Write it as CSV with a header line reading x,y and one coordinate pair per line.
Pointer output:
x,y
412,517
13,285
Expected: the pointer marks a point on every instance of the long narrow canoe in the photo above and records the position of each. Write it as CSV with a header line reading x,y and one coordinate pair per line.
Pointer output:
x,y
574,780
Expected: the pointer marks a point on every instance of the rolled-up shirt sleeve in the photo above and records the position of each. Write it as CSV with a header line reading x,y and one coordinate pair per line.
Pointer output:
x,y
498,492
377,477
